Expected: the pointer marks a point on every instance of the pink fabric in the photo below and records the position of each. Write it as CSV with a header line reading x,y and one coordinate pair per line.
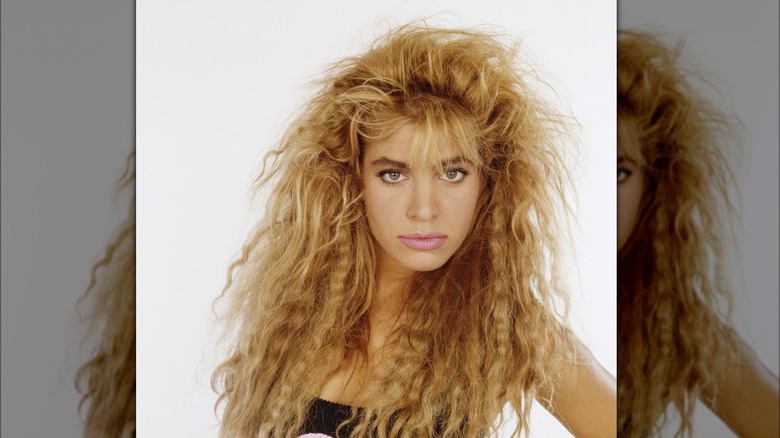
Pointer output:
x,y
315,435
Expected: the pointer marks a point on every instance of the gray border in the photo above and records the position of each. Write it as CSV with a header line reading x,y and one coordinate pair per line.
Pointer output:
x,y
68,85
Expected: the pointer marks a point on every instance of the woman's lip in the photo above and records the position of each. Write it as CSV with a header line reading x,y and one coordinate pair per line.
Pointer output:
x,y
430,235
428,242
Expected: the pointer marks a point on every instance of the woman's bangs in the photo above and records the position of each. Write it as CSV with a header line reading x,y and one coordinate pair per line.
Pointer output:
x,y
441,139
628,138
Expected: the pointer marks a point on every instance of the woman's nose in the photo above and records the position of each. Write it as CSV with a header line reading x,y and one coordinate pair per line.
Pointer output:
x,y
423,205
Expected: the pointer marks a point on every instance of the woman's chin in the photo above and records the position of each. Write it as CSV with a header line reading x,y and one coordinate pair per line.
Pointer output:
x,y
425,263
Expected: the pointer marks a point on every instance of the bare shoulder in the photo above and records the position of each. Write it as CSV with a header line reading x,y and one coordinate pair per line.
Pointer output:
x,y
585,396
747,397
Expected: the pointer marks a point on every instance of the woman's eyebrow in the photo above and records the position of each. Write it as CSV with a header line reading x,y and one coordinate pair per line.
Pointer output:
x,y
384,161
456,160
623,159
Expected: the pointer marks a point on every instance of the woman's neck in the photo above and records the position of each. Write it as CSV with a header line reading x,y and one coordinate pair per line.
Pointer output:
x,y
353,377
388,303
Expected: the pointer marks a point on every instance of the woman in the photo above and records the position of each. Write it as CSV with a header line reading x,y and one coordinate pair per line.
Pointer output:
x,y
673,185
402,281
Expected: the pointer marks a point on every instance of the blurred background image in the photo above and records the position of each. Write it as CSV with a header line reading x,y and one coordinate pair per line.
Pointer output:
x,y
67,131
727,57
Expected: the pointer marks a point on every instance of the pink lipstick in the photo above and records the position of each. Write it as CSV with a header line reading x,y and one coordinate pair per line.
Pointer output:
x,y
423,241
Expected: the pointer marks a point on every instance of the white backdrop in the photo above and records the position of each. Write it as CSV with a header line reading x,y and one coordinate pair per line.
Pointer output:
x,y
736,46
215,88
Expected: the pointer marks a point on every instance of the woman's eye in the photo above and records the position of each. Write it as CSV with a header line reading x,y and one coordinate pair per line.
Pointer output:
x,y
392,176
454,175
622,174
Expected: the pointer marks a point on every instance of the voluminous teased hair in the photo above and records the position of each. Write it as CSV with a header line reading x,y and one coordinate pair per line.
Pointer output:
x,y
107,380
672,343
481,330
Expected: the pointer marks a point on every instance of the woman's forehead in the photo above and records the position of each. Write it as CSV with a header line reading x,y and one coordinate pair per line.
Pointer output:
x,y
421,145
629,143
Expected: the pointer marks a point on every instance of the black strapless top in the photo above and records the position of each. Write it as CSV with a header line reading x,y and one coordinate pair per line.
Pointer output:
x,y
323,419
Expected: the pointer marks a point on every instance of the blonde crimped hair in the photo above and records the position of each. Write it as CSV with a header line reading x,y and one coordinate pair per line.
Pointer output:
x,y
107,380
672,292
481,330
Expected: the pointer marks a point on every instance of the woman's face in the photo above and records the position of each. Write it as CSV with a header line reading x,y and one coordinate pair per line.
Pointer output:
x,y
419,217
630,187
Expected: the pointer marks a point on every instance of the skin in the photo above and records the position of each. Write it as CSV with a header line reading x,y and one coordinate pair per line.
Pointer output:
x,y
401,200
748,397
585,399
630,187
